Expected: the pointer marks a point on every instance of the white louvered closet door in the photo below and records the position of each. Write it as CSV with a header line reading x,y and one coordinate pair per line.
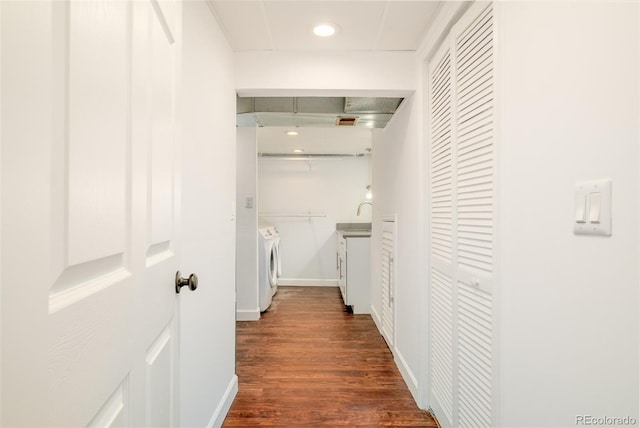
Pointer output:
x,y
388,282
462,196
441,203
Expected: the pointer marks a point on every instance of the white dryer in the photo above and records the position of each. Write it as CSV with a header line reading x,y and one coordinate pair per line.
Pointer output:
x,y
267,266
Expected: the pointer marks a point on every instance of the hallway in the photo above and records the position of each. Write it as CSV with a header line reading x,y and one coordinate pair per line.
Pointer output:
x,y
308,363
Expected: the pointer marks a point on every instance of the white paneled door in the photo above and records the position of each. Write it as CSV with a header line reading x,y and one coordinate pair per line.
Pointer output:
x,y
462,222
90,193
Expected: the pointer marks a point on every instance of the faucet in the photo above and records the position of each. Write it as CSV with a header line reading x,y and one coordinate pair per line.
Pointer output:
x,y
361,204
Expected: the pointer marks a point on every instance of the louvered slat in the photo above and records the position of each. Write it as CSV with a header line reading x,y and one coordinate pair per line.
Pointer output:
x,y
441,341
474,356
441,174
474,178
475,141
387,285
474,72
474,32
441,213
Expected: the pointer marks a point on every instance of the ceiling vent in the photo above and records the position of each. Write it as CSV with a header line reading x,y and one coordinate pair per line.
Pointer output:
x,y
346,121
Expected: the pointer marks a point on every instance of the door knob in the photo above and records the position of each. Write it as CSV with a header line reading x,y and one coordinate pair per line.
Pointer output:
x,y
192,282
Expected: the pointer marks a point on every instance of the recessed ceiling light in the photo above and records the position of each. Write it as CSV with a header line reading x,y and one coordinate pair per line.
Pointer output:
x,y
291,133
324,30
297,151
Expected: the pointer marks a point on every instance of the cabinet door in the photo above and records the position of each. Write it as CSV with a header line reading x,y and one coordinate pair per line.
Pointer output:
x,y
358,274
388,282
342,268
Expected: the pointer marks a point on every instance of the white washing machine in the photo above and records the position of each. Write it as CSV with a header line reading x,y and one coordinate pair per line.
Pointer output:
x,y
267,266
276,247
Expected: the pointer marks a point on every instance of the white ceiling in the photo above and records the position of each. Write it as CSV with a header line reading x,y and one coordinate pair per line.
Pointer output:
x,y
338,140
286,25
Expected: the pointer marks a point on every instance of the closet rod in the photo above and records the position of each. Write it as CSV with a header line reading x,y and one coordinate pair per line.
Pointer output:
x,y
290,215
311,155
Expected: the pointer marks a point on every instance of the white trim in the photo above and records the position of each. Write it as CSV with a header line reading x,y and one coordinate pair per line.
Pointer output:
x,y
425,216
496,291
440,26
376,318
407,374
285,92
225,404
307,282
1,206
248,314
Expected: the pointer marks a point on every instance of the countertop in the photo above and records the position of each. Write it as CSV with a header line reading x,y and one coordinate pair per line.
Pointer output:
x,y
354,230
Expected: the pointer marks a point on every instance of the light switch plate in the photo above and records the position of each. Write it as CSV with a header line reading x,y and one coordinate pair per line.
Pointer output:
x,y
584,191
248,201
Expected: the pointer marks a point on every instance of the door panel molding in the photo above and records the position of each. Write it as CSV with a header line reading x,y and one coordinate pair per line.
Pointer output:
x,y
81,281
115,411
90,151
159,359
160,8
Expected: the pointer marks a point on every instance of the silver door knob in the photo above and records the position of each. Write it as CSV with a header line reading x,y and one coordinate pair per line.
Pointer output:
x,y
191,282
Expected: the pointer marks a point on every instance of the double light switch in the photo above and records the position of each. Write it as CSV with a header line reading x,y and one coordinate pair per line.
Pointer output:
x,y
593,208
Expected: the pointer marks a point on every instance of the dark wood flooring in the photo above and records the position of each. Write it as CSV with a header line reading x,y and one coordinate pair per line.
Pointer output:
x,y
308,363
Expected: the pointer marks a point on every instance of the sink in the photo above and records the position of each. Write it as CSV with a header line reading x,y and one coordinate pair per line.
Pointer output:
x,y
354,226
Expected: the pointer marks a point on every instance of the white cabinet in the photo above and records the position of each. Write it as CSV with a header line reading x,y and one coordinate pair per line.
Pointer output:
x,y
353,263
387,282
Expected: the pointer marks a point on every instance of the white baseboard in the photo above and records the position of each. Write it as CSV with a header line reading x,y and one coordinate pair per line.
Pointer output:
x,y
248,314
376,318
225,404
308,282
407,374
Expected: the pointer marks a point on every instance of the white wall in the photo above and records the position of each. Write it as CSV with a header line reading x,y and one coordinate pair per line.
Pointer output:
x,y
332,188
208,125
247,305
379,181
569,94
324,73
397,179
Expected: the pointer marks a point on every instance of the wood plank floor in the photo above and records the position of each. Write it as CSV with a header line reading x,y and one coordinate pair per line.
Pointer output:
x,y
308,363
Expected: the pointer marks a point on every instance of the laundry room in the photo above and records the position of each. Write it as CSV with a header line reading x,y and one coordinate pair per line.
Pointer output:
x,y
299,182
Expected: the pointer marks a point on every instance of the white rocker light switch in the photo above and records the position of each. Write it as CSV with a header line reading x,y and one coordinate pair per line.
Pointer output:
x,y
581,208
592,208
